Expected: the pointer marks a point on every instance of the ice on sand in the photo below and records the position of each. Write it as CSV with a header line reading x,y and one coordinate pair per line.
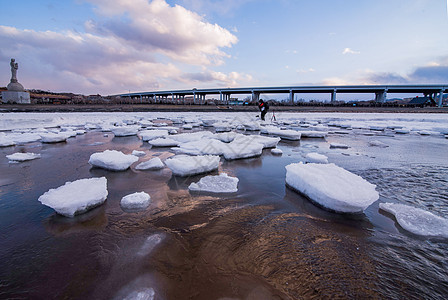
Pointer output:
x,y
316,158
416,220
19,156
112,160
331,186
135,201
150,243
221,183
183,165
76,197
152,164
138,153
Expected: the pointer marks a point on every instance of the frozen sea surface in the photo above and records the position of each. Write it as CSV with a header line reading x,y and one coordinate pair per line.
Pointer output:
x,y
265,241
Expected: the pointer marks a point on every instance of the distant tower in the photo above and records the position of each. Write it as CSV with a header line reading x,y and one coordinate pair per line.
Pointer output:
x,y
16,93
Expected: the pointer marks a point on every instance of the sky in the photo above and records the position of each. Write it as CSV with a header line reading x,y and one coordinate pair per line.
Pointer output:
x,y
117,46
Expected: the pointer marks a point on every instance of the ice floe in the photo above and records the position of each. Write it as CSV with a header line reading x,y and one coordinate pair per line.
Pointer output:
x,y
135,201
221,183
163,142
6,141
202,147
151,165
376,143
316,158
276,151
338,146
417,220
331,186
148,135
112,160
184,165
313,134
287,134
19,156
125,130
76,197
191,137
242,148
54,137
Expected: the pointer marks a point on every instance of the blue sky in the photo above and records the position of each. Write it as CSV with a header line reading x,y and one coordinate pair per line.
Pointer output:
x,y
116,46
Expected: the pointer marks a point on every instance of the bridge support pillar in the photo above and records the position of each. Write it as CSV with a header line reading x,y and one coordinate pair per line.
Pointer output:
x,y
439,104
381,96
333,96
291,97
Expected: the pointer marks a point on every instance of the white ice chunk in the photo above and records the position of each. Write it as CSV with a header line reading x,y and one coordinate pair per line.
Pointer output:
x,y
76,197
138,153
221,183
267,142
6,141
331,186
424,132
152,164
125,130
316,158
19,156
148,135
339,146
313,134
23,138
187,126
288,134
190,137
163,142
112,160
276,151
252,126
376,143
135,201
402,131
225,137
222,126
54,137
203,147
416,220
242,148
183,165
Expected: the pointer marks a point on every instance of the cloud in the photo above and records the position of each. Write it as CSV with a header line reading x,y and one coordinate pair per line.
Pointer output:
x,y
350,51
137,45
227,80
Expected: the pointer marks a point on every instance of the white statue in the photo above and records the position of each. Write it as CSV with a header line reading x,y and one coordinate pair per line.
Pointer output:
x,y
14,67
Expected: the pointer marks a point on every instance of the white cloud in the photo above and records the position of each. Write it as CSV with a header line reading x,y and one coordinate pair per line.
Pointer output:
x,y
137,45
350,51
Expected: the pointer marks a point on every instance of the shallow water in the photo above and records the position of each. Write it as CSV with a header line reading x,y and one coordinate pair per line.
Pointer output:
x,y
264,242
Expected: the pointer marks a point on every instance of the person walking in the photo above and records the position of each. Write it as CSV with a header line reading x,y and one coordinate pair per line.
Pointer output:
x,y
263,107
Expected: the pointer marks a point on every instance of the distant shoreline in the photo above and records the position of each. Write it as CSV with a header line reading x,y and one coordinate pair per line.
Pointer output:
x,y
10,108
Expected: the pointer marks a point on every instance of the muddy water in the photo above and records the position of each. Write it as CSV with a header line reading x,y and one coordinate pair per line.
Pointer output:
x,y
264,242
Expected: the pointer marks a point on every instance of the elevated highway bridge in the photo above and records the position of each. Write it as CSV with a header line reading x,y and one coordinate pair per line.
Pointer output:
x,y
380,92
